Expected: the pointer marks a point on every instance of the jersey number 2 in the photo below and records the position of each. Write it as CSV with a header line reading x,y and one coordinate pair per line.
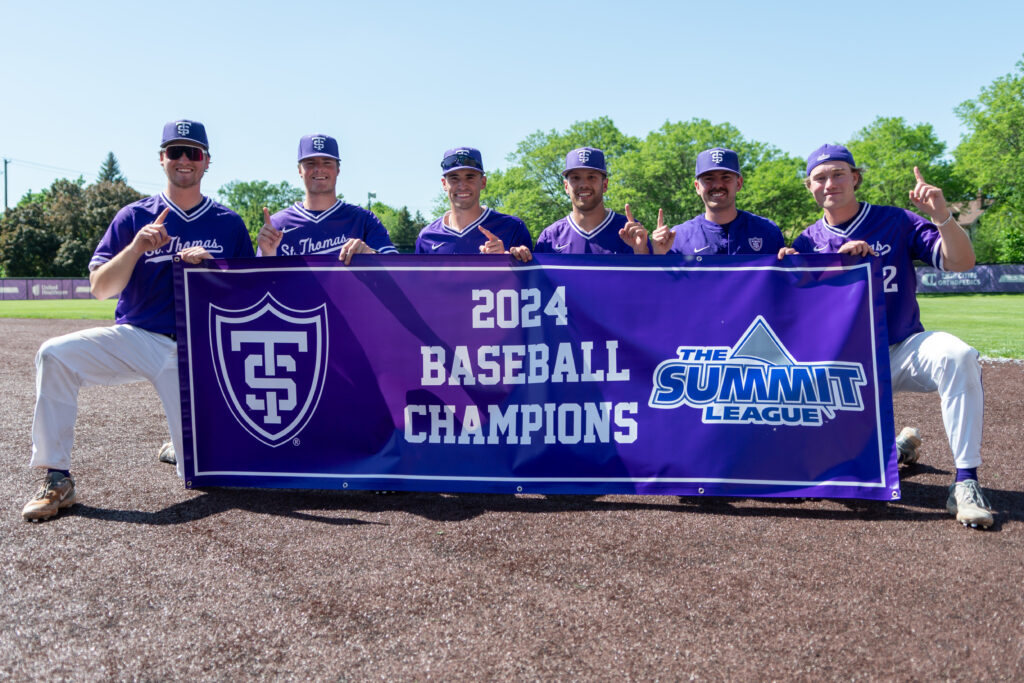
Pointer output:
x,y
888,277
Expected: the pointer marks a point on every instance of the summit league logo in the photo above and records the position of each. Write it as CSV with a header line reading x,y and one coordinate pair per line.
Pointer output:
x,y
757,381
270,362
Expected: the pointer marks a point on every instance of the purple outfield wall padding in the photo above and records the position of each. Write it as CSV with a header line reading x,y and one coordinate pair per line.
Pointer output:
x,y
996,278
735,375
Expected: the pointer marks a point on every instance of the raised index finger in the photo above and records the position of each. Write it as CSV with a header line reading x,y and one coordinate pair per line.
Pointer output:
x,y
162,217
266,216
917,174
661,218
490,236
629,215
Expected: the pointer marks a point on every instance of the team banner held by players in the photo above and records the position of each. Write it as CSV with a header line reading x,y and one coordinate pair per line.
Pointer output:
x,y
571,374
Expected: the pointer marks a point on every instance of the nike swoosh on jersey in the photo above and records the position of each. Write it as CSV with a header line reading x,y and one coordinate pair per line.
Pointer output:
x,y
706,246
560,247
822,248
436,245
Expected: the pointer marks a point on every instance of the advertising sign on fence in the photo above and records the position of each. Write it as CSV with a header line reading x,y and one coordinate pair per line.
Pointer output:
x,y
998,278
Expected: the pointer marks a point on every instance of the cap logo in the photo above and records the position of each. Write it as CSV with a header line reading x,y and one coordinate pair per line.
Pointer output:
x,y
717,155
822,157
584,155
183,127
318,143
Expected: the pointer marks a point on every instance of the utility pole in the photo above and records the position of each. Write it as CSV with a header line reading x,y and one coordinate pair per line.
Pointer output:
x,y
370,196
6,161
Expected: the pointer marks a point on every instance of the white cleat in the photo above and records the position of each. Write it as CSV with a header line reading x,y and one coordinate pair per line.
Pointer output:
x,y
968,504
908,443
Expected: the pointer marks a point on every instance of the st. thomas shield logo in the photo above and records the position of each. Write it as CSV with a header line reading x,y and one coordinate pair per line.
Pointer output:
x,y
270,362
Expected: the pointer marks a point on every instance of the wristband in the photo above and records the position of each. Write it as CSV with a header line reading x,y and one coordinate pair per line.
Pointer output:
x,y
939,225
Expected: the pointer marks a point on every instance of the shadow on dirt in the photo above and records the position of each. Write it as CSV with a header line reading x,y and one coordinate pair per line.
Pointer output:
x,y
919,501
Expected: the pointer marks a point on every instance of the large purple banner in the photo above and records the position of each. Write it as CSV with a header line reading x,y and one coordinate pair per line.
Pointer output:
x,y
572,374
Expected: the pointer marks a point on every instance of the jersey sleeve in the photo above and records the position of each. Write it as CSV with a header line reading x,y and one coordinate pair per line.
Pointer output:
x,y
243,243
544,242
925,240
803,243
376,235
773,236
119,235
521,237
680,242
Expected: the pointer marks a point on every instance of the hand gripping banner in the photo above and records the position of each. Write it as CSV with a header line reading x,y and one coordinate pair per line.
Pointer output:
x,y
740,376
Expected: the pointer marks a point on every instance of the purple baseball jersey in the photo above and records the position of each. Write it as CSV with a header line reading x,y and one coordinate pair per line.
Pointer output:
x,y
438,238
565,237
325,232
746,234
147,301
899,236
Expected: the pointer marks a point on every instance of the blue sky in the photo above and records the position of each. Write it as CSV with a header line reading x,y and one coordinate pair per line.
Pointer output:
x,y
399,82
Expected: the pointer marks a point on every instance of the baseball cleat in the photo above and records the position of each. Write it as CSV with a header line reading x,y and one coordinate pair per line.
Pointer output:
x,y
969,505
56,492
908,444
166,454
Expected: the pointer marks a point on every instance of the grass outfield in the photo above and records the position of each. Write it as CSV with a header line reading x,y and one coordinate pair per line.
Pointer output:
x,y
992,323
69,309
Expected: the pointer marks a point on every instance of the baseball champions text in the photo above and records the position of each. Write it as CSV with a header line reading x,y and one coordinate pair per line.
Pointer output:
x,y
521,364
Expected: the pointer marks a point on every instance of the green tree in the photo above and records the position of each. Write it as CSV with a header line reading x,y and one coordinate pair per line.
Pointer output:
x,y
402,226
775,189
531,186
888,150
991,160
55,232
110,171
26,245
247,199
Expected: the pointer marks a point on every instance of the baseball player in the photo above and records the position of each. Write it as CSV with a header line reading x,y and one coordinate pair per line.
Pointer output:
x,y
321,224
722,228
468,227
590,228
920,361
133,261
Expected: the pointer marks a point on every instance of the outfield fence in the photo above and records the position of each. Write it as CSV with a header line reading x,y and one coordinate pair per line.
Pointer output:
x,y
998,278
44,288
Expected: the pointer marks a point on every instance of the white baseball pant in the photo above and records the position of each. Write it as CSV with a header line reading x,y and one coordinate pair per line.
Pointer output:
x,y
938,361
99,356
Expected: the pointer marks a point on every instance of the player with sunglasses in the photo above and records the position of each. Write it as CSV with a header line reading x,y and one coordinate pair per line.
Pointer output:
x,y
133,261
468,227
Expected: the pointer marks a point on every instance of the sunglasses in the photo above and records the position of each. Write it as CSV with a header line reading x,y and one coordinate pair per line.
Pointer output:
x,y
174,152
456,160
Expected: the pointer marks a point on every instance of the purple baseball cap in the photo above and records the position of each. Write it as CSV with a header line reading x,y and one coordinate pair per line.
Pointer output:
x,y
460,158
829,153
184,130
585,157
318,145
717,159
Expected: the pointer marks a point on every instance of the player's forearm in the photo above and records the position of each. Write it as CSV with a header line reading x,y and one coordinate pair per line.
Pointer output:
x,y
957,250
109,279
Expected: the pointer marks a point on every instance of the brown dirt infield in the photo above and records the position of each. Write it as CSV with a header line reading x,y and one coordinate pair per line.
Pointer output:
x,y
144,580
